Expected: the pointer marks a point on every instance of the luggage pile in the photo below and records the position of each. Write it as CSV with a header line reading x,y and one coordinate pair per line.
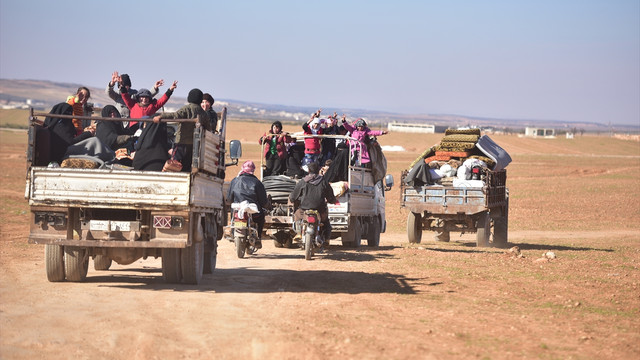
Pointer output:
x,y
459,160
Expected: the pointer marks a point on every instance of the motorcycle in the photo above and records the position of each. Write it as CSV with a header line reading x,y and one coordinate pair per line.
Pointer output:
x,y
243,229
311,232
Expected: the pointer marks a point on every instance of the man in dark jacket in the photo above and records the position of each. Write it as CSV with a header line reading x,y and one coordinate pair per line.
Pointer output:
x,y
184,136
248,187
313,193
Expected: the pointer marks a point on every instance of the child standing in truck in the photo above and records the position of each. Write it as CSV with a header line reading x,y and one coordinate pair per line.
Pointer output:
x,y
361,133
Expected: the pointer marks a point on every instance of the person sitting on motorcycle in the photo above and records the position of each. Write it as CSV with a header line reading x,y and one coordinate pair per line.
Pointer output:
x,y
247,187
312,193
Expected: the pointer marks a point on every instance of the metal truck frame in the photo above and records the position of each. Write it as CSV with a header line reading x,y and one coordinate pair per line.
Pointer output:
x,y
124,215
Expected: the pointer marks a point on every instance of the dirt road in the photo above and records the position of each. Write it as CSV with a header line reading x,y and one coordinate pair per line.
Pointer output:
x,y
423,301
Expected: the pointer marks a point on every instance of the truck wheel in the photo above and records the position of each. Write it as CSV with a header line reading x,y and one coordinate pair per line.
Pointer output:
x,y
414,228
76,263
442,236
192,261
501,229
171,271
351,238
101,262
308,246
210,258
54,262
240,248
373,237
484,229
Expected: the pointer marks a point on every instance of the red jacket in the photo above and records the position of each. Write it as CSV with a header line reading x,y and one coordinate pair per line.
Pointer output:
x,y
311,145
138,112
281,140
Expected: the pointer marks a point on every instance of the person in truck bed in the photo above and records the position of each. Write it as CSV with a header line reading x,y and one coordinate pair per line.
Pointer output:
x,y
146,106
183,146
125,81
361,133
63,132
312,146
275,149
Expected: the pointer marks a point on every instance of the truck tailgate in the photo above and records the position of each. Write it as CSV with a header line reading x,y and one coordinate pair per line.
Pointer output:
x,y
107,188
444,200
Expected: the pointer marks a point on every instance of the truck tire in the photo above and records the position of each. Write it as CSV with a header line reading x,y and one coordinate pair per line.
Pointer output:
x,y
54,262
351,238
501,228
76,263
192,263
101,262
414,228
210,259
282,240
483,227
308,246
373,237
171,271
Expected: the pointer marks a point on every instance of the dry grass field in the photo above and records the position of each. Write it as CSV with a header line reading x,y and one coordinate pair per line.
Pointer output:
x,y
578,198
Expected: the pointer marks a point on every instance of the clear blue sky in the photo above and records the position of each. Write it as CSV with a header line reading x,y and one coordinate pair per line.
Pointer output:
x,y
566,60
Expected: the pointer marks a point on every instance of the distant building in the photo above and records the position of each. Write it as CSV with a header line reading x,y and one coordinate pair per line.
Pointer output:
x,y
539,132
411,128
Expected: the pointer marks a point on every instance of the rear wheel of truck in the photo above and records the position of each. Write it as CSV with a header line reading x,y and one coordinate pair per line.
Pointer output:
x,y
373,237
351,238
483,229
210,259
76,263
171,271
54,262
308,246
192,261
501,228
414,228
101,262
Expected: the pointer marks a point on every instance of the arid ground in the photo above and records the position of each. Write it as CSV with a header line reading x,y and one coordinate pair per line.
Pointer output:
x,y
579,199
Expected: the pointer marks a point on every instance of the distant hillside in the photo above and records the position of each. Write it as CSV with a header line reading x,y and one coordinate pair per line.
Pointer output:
x,y
43,95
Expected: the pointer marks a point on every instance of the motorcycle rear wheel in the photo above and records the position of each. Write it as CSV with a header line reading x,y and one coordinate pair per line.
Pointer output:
x,y
308,246
240,245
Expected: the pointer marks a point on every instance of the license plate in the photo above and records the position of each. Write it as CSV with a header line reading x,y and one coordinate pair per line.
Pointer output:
x,y
240,223
105,225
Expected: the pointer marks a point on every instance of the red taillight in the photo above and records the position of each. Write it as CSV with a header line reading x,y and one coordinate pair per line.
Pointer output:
x,y
311,219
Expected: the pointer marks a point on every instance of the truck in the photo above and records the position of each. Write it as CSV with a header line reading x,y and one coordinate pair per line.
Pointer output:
x,y
480,206
358,214
122,215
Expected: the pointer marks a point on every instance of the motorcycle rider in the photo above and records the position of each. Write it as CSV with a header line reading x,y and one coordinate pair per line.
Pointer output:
x,y
246,186
312,193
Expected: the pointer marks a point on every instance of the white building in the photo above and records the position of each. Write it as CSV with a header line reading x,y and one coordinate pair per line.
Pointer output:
x,y
539,132
411,128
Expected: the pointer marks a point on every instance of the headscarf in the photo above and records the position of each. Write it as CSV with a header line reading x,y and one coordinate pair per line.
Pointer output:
x,y
106,111
248,167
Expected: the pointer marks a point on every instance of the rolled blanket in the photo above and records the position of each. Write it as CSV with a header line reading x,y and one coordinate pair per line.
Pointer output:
x,y
465,131
429,152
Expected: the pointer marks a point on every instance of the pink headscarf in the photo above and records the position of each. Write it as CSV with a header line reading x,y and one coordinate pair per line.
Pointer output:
x,y
248,167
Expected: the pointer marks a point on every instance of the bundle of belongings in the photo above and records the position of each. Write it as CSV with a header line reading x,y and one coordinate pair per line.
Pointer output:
x,y
460,160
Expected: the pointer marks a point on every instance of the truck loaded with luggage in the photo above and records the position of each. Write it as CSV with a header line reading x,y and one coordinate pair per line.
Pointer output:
x,y
458,185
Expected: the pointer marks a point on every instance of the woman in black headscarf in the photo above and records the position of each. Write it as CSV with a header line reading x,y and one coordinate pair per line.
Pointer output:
x,y
151,149
62,132
113,133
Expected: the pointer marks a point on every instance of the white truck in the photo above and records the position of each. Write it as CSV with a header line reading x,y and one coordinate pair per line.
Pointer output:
x,y
123,215
359,214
